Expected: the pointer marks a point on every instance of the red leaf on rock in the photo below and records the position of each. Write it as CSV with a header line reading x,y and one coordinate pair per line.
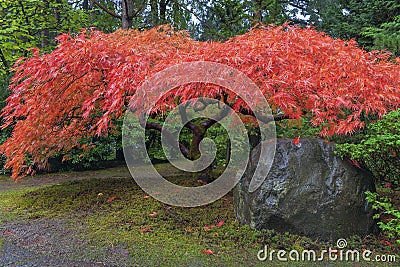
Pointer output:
x,y
354,163
296,141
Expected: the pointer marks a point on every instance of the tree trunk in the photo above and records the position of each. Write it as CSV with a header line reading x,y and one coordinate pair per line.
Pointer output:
x,y
45,32
85,5
194,146
206,175
257,15
163,10
127,13
153,12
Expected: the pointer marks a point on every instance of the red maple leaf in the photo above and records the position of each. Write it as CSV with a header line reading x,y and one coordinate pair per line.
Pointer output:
x,y
146,229
153,214
355,163
296,141
7,232
208,252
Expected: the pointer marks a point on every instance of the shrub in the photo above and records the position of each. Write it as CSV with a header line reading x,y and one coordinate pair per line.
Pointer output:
x,y
390,226
379,150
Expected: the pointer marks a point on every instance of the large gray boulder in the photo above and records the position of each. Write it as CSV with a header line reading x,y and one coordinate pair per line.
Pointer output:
x,y
308,191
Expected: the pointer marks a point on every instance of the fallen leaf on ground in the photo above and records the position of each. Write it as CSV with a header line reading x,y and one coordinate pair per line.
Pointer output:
x,y
208,227
111,199
221,223
208,252
7,232
145,230
387,243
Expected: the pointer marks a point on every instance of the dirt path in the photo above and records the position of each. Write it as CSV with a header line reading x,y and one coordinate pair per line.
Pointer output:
x,y
55,242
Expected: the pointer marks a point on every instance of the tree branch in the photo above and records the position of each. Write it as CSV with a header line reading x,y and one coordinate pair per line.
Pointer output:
x,y
138,10
105,9
5,62
203,22
210,122
24,14
190,125
158,127
225,111
265,119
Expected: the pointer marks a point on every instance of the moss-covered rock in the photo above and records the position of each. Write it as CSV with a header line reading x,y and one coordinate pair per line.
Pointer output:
x,y
308,191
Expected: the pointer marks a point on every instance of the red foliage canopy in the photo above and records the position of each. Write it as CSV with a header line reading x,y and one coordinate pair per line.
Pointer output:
x,y
86,82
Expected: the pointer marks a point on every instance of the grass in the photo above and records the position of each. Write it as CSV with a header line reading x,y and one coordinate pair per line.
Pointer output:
x,y
117,213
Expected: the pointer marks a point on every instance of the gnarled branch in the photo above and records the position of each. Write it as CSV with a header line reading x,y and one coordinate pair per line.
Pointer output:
x,y
105,9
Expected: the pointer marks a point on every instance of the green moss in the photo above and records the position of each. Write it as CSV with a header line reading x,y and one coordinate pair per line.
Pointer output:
x,y
10,204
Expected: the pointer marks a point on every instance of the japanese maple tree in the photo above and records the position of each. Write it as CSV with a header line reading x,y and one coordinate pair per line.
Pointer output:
x,y
86,83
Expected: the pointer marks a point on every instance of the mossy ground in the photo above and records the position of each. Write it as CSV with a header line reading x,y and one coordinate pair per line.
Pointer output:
x,y
117,213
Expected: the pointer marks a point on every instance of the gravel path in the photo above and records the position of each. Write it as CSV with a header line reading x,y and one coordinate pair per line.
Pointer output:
x,y
13,255
55,242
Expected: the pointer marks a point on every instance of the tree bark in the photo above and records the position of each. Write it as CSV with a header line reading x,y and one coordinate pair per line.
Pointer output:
x,y
127,14
257,16
163,11
85,5
153,13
